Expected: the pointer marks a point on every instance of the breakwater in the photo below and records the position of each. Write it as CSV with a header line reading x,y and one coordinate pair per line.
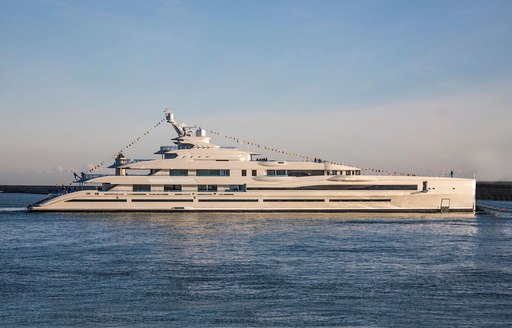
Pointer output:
x,y
494,190
485,190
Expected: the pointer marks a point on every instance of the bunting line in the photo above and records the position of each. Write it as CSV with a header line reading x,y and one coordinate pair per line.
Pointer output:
x,y
134,141
248,143
294,154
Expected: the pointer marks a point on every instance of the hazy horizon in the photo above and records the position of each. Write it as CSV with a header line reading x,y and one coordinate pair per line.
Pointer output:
x,y
396,85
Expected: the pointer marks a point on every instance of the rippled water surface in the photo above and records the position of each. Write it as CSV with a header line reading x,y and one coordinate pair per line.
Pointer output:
x,y
237,270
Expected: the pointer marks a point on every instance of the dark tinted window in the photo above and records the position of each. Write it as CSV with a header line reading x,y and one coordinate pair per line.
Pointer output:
x,y
178,172
141,187
204,188
212,173
170,156
172,187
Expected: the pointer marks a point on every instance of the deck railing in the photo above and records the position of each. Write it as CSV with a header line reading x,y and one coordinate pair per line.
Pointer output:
x,y
138,160
88,176
168,148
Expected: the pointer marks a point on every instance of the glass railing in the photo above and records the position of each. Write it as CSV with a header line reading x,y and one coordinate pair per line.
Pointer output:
x,y
89,176
168,148
138,160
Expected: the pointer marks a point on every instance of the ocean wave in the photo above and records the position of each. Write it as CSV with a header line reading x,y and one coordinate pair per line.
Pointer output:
x,y
498,208
13,209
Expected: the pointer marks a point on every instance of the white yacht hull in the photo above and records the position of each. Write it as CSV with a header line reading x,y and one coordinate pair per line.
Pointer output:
x,y
459,197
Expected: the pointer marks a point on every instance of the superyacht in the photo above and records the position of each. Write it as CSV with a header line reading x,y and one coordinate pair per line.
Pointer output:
x,y
198,175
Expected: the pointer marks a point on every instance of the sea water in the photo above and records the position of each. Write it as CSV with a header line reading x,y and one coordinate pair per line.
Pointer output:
x,y
257,270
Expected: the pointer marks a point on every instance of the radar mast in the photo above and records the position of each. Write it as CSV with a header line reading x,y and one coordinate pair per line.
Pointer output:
x,y
179,128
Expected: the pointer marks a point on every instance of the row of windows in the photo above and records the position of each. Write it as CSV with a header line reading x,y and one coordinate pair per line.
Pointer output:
x,y
295,173
342,187
204,173
161,200
179,188
216,173
304,173
214,188
291,173
96,200
353,172
227,200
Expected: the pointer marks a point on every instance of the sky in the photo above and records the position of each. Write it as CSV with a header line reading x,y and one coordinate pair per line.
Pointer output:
x,y
411,86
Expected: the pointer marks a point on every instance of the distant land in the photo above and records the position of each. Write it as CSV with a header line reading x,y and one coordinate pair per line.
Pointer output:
x,y
485,190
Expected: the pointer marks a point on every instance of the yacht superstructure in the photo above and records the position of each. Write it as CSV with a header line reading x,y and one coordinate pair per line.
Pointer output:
x,y
197,175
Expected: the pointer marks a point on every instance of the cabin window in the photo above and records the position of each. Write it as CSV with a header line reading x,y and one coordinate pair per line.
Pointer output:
x,y
235,188
178,172
304,173
254,173
141,187
207,188
173,188
298,173
244,173
218,173
276,172
170,156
